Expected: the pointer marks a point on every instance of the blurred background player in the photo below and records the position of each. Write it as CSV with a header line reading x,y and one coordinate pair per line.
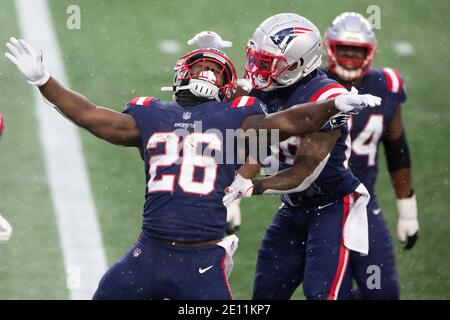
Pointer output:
x,y
181,252
5,227
350,46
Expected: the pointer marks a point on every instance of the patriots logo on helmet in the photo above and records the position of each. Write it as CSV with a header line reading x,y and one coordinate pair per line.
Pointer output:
x,y
284,37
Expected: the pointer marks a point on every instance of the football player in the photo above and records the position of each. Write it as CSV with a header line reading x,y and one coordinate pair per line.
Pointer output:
x,y
350,46
181,252
5,227
315,229
211,39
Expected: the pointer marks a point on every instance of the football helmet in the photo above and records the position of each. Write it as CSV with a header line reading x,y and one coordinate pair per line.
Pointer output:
x,y
350,29
205,84
284,48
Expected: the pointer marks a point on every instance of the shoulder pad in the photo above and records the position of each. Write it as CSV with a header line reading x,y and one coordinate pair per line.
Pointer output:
x,y
242,102
328,92
393,80
142,101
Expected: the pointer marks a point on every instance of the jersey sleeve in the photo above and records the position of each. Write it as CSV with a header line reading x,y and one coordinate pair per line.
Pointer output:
x,y
331,91
246,106
395,85
139,106
140,109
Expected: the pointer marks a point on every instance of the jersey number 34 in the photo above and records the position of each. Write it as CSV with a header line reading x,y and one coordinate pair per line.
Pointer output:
x,y
366,143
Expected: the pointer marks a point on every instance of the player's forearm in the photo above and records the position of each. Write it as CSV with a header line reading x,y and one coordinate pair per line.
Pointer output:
x,y
301,119
72,104
398,160
294,179
249,170
402,182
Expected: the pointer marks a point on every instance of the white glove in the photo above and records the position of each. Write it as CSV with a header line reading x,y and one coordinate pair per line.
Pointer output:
x,y
5,230
353,102
233,217
240,188
28,61
209,39
245,84
407,225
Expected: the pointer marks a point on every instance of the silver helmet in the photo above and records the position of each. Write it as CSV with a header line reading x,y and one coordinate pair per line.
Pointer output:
x,y
284,48
350,29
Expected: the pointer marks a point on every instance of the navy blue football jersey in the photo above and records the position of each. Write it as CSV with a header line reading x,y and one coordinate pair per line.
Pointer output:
x,y
314,87
185,154
368,126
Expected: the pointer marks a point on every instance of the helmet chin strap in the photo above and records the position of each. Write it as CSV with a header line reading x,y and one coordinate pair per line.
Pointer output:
x,y
198,90
186,98
203,87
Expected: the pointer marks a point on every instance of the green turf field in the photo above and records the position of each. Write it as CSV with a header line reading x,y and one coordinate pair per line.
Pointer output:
x,y
115,56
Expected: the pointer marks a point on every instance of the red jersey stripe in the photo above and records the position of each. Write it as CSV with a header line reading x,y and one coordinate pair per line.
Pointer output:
x,y
316,95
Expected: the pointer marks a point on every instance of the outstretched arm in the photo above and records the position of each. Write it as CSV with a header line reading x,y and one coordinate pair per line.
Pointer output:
x,y
297,120
112,126
307,118
106,124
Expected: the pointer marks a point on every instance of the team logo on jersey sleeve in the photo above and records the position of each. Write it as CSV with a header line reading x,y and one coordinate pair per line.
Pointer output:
x,y
264,107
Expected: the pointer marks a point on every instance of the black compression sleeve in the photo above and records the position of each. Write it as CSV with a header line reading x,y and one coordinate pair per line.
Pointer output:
x,y
397,153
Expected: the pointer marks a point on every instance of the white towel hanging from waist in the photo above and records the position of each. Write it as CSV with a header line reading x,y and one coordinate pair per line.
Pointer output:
x,y
356,227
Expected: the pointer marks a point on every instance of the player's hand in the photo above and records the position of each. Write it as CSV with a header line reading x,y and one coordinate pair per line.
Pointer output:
x,y
233,218
245,84
240,188
209,39
5,230
28,61
407,225
352,102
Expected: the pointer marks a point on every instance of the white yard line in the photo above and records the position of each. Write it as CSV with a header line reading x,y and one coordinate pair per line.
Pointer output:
x,y
79,232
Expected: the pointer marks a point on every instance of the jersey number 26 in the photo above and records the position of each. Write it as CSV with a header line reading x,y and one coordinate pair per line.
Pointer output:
x,y
189,162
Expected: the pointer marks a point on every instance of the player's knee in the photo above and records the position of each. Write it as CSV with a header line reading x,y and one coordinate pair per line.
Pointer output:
x,y
263,289
107,289
114,285
316,286
269,287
